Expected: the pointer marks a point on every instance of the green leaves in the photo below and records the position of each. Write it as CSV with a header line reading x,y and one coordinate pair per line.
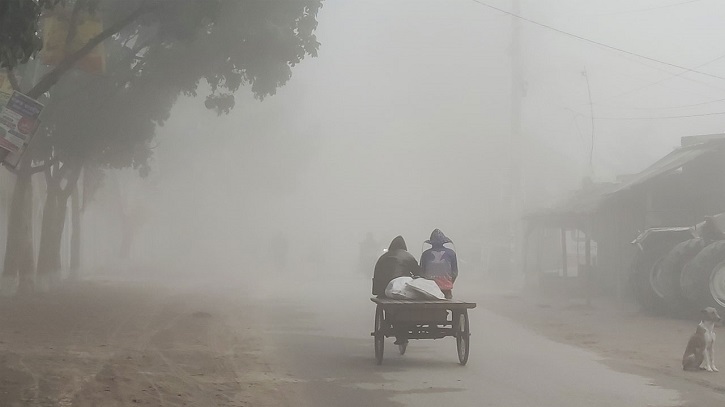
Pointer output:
x,y
111,119
19,31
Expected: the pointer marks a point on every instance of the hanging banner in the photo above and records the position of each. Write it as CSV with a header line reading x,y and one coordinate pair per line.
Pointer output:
x,y
56,44
18,121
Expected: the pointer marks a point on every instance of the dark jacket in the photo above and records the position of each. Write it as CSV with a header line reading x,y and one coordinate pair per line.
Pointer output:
x,y
394,263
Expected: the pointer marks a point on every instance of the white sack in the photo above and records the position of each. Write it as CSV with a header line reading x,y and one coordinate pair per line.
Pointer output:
x,y
398,289
427,288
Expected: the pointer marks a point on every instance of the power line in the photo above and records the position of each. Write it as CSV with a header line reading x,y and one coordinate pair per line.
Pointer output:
x,y
548,27
670,78
650,8
577,113
662,108
685,106
661,117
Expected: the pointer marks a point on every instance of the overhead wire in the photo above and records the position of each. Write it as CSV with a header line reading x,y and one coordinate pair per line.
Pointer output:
x,y
660,117
623,51
673,76
648,8
601,44
663,107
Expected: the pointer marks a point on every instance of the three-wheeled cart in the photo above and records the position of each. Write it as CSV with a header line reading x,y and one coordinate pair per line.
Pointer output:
x,y
422,319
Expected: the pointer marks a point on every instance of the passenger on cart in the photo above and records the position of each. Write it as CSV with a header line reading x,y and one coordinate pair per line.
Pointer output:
x,y
396,262
439,263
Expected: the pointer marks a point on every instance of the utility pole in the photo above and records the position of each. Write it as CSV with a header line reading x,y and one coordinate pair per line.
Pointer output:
x,y
591,112
516,145
589,268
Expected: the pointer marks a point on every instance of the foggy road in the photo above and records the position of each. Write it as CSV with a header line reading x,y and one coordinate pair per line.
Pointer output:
x,y
292,341
322,344
188,186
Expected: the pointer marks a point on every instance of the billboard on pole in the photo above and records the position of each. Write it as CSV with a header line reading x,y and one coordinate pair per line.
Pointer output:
x,y
19,119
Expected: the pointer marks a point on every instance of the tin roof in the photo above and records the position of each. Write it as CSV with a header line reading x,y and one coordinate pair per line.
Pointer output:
x,y
590,198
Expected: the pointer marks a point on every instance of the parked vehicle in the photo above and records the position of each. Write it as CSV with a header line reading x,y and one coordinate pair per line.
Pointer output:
x,y
680,268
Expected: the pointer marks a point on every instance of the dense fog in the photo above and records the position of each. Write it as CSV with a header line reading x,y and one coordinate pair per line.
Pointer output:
x,y
403,122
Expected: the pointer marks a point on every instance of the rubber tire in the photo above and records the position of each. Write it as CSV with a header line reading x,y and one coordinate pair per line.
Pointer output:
x,y
654,249
379,336
695,279
463,337
670,273
642,268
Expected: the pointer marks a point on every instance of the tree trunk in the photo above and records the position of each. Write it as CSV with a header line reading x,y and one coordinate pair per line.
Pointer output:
x,y
75,239
19,265
51,234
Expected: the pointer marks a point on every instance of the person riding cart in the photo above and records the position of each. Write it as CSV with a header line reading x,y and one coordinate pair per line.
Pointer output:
x,y
439,263
395,262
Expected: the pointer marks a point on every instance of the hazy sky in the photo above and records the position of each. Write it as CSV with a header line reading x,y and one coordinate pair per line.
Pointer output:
x,y
401,124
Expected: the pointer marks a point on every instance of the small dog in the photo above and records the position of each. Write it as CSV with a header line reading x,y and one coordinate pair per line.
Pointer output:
x,y
700,346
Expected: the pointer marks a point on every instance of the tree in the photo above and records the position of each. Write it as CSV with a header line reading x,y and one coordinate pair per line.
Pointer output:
x,y
163,52
19,39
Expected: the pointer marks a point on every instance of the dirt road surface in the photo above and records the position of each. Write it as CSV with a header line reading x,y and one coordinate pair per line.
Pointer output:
x,y
130,344
296,342
516,359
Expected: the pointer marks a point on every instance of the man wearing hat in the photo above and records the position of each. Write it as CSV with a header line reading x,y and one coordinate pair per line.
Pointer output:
x,y
439,263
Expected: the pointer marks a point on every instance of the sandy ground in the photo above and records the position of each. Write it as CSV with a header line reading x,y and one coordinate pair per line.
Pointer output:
x,y
625,336
111,343
130,344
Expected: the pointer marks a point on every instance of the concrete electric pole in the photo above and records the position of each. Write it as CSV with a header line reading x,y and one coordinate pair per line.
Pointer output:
x,y
516,145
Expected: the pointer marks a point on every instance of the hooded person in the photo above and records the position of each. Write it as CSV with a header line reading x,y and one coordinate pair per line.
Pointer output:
x,y
395,262
439,263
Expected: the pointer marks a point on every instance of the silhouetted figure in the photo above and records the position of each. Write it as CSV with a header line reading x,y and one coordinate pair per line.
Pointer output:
x,y
439,263
394,263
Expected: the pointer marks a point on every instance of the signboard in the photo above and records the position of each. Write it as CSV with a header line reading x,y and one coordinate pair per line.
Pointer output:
x,y
12,160
18,121
55,39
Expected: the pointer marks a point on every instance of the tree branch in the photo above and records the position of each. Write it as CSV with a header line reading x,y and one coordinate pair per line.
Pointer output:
x,y
72,182
48,175
34,169
52,77
61,170
39,168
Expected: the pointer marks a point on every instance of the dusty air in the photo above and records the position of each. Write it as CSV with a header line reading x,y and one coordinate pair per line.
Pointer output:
x,y
227,203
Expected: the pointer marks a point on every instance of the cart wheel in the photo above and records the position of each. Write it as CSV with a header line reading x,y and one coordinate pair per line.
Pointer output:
x,y
379,334
402,347
463,337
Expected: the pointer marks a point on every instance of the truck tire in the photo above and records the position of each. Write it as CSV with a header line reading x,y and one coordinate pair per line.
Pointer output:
x,y
703,278
653,245
645,262
665,277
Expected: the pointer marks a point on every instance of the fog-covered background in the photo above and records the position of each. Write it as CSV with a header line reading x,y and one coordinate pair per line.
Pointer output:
x,y
402,124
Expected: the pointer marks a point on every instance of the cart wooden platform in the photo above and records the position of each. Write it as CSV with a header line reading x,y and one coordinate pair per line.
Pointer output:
x,y
422,319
